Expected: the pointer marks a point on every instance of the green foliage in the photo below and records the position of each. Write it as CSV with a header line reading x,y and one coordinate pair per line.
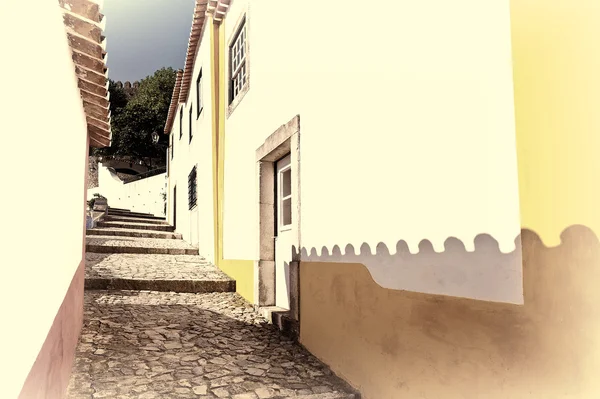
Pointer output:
x,y
92,201
134,120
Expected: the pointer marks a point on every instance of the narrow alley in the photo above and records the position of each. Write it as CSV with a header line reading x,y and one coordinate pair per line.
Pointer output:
x,y
162,322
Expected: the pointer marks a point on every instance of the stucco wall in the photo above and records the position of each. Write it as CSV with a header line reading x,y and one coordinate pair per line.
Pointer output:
x,y
414,345
395,344
39,255
196,226
402,140
139,196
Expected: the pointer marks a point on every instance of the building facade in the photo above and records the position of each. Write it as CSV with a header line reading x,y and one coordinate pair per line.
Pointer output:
x,y
57,106
417,184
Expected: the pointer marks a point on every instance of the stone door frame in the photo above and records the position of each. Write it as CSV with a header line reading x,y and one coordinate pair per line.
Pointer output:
x,y
285,140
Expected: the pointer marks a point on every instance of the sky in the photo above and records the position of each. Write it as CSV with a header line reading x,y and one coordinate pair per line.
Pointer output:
x,y
145,35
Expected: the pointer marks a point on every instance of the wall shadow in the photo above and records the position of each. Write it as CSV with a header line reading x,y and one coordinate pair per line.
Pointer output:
x,y
485,273
408,344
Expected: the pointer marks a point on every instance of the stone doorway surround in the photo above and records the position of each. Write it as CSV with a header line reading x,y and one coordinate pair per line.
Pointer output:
x,y
285,140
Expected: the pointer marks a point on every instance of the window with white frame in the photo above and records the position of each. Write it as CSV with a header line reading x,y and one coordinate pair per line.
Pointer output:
x,y
237,63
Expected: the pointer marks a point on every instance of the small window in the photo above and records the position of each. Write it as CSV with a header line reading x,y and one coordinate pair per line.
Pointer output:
x,y
180,123
192,188
199,104
237,63
190,121
286,197
172,146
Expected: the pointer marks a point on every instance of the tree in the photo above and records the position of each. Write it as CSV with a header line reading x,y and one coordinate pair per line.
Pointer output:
x,y
134,121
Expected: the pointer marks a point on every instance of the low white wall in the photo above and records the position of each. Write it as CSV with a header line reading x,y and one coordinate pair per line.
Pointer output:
x,y
143,195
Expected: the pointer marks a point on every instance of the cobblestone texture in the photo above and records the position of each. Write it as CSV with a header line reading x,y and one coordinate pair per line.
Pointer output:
x,y
151,267
136,242
145,345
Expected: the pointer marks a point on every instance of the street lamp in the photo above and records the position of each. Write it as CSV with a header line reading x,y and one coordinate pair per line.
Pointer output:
x,y
155,137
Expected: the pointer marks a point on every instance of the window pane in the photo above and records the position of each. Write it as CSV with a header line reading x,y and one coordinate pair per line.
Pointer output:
x,y
286,212
286,183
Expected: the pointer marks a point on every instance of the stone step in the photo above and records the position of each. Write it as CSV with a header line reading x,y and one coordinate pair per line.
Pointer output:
x,y
129,219
118,209
165,273
137,215
134,245
136,226
133,233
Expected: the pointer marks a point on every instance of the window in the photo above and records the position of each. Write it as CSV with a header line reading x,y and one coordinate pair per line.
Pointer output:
x,y
285,196
192,188
190,121
199,104
180,123
237,61
172,146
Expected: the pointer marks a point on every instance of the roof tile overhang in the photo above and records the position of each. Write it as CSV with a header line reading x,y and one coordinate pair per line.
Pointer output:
x,y
217,9
84,24
174,102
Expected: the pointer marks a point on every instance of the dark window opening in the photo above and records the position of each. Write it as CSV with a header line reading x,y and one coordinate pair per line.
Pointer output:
x,y
192,189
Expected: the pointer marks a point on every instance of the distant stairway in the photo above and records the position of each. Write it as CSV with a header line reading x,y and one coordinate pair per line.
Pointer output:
x,y
139,251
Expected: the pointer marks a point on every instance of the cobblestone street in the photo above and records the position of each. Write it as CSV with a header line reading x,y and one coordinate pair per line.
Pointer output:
x,y
176,345
192,336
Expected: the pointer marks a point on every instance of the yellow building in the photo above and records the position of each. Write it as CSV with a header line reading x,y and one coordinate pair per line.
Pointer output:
x,y
412,183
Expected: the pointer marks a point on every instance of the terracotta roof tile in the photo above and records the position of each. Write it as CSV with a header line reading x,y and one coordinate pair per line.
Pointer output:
x,y
84,24
203,9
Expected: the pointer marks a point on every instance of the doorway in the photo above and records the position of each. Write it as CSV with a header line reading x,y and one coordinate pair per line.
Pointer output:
x,y
175,207
278,172
283,240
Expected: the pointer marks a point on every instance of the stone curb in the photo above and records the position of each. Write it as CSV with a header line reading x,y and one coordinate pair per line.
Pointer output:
x,y
187,286
111,249
136,226
136,234
127,219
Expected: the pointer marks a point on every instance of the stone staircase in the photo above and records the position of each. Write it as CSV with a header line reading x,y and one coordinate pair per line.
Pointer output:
x,y
138,251
161,321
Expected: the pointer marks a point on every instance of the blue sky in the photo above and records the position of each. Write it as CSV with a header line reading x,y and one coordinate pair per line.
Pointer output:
x,y
146,35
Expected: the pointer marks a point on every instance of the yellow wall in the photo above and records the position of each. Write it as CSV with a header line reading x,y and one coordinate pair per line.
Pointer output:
x,y
240,270
556,62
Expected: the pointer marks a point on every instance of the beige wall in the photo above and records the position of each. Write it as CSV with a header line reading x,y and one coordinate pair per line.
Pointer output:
x,y
393,344
42,215
197,225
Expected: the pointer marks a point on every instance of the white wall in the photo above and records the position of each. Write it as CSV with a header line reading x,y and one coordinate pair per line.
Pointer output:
x,y
139,196
197,225
407,133
44,123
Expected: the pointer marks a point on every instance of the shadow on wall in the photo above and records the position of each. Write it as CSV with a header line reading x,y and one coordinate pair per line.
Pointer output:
x,y
407,344
485,274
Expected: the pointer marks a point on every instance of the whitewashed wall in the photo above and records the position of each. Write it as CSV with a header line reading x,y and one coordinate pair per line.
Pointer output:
x,y
143,195
39,254
197,225
407,133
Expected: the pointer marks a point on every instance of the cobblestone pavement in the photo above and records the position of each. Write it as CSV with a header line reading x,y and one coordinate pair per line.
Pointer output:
x,y
138,242
151,267
147,345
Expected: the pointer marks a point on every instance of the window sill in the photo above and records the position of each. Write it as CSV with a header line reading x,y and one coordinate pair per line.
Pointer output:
x,y
238,99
